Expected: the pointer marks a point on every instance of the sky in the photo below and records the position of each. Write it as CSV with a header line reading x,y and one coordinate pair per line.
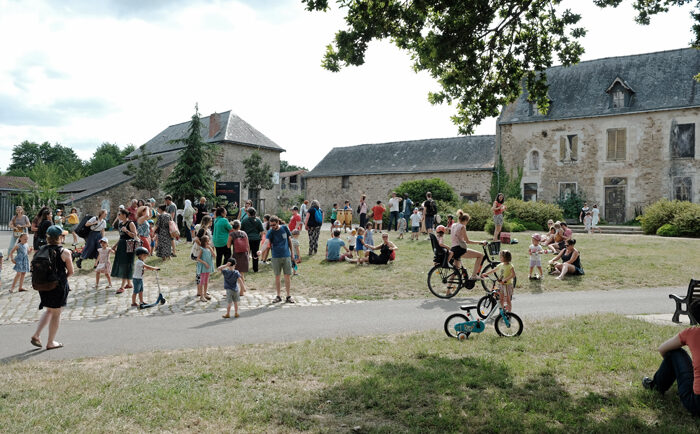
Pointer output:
x,y
84,72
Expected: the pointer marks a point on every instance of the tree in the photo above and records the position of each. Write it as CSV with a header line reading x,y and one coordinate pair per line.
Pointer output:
x,y
27,155
480,52
106,156
147,175
258,175
193,175
503,181
286,167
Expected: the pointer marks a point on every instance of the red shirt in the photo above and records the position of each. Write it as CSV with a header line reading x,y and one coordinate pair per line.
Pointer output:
x,y
296,218
378,211
691,338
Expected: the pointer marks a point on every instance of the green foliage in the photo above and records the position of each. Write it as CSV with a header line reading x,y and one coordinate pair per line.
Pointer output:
x,y
685,216
34,200
106,156
441,190
534,212
286,167
258,175
479,213
668,230
503,181
285,214
528,226
27,155
50,176
572,205
480,53
193,175
147,175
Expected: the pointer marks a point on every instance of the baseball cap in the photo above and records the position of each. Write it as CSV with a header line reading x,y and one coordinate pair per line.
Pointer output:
x,y
54,231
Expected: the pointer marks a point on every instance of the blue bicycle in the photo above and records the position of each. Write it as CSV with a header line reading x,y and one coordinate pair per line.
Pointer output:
x,y
460,326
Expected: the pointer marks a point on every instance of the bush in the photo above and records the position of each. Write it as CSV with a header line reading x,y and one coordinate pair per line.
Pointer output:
x,y
668,230
534,212
507,227
479,213
530,226
441,190
572,205
685,216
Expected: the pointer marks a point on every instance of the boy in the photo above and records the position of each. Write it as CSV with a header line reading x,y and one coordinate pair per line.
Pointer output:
x,y
234,286
297,254
378,214
334,215
295,220
415,224
139,266
440,235
402,226
333,247
352,239
535,251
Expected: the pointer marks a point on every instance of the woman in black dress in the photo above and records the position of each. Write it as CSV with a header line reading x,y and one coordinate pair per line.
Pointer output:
x,y
42,222
123,266
385,250
570,261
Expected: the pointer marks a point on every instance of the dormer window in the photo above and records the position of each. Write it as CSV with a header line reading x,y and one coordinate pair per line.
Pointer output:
x,y
620,94
618,99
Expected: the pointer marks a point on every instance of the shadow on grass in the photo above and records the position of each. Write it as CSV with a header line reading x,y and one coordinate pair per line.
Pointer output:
x,y
25,355
471,394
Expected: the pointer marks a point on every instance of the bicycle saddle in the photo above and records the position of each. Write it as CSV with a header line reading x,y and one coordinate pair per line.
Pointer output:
x,y
467,308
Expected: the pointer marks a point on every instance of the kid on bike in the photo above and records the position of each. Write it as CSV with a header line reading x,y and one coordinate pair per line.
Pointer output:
x,y
460,240
505,282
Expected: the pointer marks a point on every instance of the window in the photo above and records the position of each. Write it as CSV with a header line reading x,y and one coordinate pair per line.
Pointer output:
x,y
566,189
618,99
683,141
534,160
568,148
683,188
470,197
617,144
345,182
530,192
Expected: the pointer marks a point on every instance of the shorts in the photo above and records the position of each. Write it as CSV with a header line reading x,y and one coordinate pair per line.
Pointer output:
x,y
498,219
378,222
280,265
415,229
138,285
535,261
458,252
351,248
506,289
429,221
204,278
233,295
579,271
69,227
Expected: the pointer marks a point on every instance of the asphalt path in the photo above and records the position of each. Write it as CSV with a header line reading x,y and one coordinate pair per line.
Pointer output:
x,y
104,337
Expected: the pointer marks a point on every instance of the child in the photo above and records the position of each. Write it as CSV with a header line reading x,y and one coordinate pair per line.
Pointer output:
x,y
369,234
360,242
266,227
205,265
415,224
440,235
72,222
21,261
334,215
402,226
103,266
377,214
450,222
588,222
295,248
535,250
141,253
234,286
352,239
505,281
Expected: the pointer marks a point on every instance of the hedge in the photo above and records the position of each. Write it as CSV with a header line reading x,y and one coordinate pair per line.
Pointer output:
x,y
507,227
683,216
534,213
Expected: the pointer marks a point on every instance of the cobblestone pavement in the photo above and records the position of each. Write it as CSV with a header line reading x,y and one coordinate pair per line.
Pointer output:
x,y
86,302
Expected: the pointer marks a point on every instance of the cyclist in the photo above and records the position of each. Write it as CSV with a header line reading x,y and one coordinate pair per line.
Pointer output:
x,y
459,245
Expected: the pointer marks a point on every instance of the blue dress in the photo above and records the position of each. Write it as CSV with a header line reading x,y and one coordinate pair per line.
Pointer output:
x,y
206,257
21,259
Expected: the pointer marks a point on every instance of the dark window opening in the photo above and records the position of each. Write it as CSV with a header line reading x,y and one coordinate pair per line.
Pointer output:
x,y
530,192
566,189
683,188
683,141
345,183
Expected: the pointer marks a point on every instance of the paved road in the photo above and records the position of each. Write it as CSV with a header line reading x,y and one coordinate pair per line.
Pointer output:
x,y
273,323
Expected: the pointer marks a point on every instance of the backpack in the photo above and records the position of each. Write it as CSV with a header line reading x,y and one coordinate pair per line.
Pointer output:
x,y
81,230
240,245
44,268
318,215
432,207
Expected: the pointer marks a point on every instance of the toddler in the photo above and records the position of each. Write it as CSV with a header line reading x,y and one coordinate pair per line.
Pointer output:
x,y
139,266
415,224
21,261
369,234
360,242
297,254
205,265
352,240
535,250
402,226
266,227
588,221
103,266
234,286
505,282
440,235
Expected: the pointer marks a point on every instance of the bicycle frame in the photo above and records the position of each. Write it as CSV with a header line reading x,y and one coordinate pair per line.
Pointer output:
x,y
479,325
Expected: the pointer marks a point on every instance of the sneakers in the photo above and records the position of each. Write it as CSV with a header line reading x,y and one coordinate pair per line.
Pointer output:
x,y
289,300
648,383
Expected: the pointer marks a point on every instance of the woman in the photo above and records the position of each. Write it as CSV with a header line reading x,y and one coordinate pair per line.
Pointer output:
x,y
19,224
220,236
596,218
253,227
188,219
238,240
132,209
362,211
55,299
42,223
384,255
71,222
313,226
163,246
123,266
201,209
143,228
570,261
460,239
97,227
583,212
498,209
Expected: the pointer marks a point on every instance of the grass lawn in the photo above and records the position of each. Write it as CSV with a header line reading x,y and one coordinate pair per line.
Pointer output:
x,y
610,262
577,375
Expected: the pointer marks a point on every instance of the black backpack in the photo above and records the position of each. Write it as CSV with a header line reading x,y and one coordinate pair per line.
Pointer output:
x,y
81,230
431,207
45,268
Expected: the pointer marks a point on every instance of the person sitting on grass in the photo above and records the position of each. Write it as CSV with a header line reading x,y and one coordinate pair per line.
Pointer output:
x,y
333,248
139,266
385,250
570,261
506,274
234,286
677,366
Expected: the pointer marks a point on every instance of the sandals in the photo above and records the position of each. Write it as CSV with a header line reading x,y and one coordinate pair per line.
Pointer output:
x,y
36,342
289,300
207,296
120,291
22,290
277,299
60,345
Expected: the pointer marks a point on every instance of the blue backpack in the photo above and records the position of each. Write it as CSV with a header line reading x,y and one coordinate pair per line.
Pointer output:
x,y
318,216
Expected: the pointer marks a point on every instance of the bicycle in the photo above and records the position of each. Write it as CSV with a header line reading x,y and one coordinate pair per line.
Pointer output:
x,y
460,326
445,280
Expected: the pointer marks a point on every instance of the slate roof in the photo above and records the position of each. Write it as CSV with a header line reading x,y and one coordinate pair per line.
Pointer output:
x,y
454,154
107,179
233,130
16,183
660,81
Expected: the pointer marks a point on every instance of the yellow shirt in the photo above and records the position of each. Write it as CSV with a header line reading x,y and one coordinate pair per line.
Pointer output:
x,y
73,219
504,270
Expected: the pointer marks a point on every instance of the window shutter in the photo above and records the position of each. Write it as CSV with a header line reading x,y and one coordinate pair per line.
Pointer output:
x,y
621,150
562,148
611,144
574,148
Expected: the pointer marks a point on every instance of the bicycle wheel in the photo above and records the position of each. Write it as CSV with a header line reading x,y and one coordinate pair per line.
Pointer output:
x,y
516,325
452,321
489,282
444,282
485,305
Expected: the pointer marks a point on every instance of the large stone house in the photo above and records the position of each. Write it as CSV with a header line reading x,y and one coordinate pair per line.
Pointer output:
x,y
620,130
237,141
375,170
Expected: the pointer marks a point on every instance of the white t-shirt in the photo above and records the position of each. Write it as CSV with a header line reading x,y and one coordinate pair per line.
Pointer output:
x,y
415,219
535,250
394,204
138,269
98,226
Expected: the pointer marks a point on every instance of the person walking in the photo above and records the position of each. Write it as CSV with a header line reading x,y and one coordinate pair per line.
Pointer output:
x,y
407,206
313,225
42,222
238,243
19,224
71,222
253,227
279,241
222,227
394,205
123,266
164,246
97,227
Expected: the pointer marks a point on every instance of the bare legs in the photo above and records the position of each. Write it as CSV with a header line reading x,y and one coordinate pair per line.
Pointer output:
x,y
287,284
52,317
564,268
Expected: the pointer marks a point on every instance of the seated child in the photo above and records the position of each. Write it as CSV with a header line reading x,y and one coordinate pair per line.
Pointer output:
x,y
234,286
440,235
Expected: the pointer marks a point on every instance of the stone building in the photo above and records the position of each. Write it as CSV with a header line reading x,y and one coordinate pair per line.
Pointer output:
x,y
620,130
292,186
466,163
236,138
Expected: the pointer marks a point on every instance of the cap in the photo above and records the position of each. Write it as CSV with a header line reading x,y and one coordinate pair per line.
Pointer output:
x,y
104,239
536,237
54,231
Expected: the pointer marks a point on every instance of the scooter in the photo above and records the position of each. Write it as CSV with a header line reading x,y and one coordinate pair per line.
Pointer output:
x,y
159,300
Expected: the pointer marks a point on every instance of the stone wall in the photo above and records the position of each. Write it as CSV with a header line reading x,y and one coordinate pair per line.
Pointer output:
x,y
647,168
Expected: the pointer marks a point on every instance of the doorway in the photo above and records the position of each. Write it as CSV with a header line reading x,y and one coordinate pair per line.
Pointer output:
x,y
615,189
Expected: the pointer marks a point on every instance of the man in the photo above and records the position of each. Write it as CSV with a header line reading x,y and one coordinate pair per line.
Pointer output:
x,y
201,209
295,219
407,206
279,241
333,248
171,209
430,210
253,227
394,210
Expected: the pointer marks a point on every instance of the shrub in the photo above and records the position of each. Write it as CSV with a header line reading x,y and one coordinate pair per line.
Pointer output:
x,y
284,214
668,230
517,227
536,212
530,226
572,205
479,213
685,216
507,227
688,220
441,190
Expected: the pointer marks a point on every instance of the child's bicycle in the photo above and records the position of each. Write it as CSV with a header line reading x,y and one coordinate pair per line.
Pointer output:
x,y
445,280
460,326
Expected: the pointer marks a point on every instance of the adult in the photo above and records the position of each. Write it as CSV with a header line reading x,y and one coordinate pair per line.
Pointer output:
x,y
42,223
279,242
303,210
596,218
19,224
677,366
188,219
584,211
171,209
123,266
313,225
460,240
97,227
201,209
378,215
238,244
244,212
133,206
570,261
430,212
55,299
143,228
498,209
71,222
384,255
407,206
362,211
164,249
253,227
394,205
222,227
333,247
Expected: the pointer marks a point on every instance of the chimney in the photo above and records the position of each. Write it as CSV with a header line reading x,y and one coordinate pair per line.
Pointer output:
x,y
214,124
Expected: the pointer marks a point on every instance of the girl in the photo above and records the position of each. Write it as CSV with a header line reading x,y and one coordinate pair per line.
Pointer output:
x,y
21,261
71,222
596,218
505,282
459,245
205,266
58,218
498,210
570,261
97,227
143,228
238,244
103,264
42,223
